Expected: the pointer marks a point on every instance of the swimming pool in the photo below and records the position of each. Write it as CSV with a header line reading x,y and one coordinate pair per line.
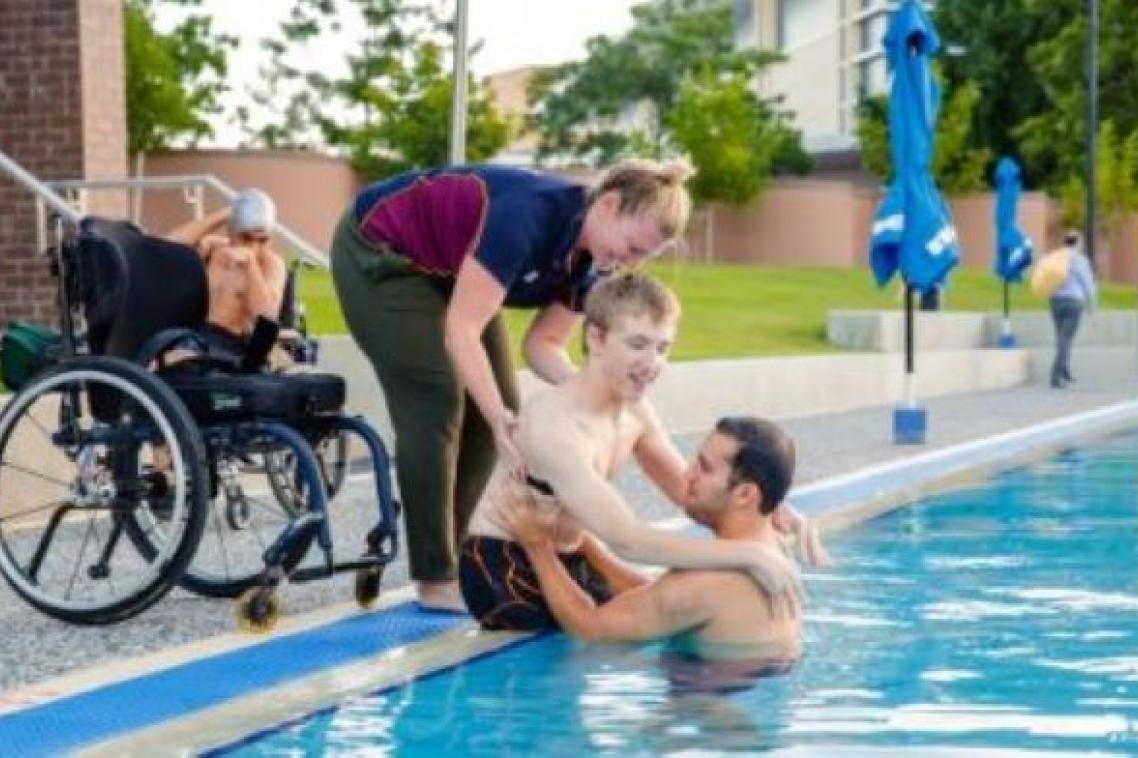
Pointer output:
x,y
998,617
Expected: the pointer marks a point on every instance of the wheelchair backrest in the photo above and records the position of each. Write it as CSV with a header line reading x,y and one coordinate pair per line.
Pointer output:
x,y
133,286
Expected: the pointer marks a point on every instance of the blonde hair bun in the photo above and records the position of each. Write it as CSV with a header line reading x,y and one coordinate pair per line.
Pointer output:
x,y
677,172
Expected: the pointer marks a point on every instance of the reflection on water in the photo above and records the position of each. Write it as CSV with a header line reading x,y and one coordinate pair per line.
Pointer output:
x,y
1000,619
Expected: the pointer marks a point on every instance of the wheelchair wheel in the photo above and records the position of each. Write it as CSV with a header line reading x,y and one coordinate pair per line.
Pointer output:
x,y
242,519
245,517
70,446
332,455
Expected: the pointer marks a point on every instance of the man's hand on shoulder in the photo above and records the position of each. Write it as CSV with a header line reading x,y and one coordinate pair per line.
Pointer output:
x,y
531,525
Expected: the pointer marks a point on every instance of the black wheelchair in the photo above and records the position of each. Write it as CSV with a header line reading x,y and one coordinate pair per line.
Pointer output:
x,y
125,471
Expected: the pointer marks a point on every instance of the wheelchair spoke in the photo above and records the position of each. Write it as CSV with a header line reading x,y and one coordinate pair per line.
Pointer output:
x,y
52,506
79,558
36,474
219,530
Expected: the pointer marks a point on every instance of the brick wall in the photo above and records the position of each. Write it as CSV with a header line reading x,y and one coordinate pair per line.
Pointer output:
x,y
61,116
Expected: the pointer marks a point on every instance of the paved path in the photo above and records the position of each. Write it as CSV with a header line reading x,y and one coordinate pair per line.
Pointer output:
x,y
36,647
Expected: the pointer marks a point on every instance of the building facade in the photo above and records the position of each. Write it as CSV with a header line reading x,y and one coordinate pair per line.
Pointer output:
x,y
834,58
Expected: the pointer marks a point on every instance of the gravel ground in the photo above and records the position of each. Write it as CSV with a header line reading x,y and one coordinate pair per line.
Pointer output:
x,y
37,647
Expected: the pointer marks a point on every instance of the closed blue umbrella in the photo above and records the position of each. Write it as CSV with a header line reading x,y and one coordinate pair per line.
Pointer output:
x,y
913,232
1013,248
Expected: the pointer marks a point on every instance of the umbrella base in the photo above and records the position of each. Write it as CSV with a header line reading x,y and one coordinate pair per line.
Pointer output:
x,y
909,425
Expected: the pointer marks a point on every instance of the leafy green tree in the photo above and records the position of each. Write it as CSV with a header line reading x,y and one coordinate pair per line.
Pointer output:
x,y
728,133
957,166
873,136
986,43
1116,183
677,58
1052,138
390,110
174,80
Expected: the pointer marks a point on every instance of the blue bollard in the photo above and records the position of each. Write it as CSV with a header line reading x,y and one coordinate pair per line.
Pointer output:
x,y
909,425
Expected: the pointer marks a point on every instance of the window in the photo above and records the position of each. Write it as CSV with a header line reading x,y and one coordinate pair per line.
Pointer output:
x,y
871,31
800,21
746,28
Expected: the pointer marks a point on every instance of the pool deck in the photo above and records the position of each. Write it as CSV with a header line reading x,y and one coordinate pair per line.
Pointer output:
x,y
43,659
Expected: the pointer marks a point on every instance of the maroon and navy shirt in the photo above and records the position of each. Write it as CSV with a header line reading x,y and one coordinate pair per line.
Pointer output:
x,y
520,225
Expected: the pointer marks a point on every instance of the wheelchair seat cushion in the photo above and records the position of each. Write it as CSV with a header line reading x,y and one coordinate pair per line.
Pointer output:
x,y
213,396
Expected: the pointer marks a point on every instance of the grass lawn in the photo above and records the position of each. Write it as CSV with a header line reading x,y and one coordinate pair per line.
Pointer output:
x,y
734,311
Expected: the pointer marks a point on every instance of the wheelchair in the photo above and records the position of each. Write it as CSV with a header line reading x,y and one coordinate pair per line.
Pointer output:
x,y
124,471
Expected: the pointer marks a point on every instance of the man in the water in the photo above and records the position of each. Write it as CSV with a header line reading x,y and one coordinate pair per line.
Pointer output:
x,y
735,485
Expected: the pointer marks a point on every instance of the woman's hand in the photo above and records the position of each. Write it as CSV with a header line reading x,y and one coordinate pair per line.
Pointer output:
x,y
505,428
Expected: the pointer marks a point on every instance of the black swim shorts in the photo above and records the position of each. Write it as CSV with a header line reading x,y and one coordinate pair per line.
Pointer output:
x,y
223,342
501,589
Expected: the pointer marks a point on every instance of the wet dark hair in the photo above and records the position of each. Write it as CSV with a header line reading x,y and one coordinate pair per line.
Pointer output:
x,y
765,457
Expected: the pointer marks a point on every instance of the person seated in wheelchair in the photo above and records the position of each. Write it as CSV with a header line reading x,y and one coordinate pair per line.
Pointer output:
x,y
246,276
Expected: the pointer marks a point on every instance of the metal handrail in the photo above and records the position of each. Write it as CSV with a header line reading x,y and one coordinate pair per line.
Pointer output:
x,y
306,249
42,191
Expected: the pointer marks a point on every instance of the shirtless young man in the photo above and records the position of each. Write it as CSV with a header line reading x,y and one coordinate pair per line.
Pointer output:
x,y
246,276
574,438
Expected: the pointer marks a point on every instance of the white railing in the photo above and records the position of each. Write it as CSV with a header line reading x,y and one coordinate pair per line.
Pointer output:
x,y
45,196
194,186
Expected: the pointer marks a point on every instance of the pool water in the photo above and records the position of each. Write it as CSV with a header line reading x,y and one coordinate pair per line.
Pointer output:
x,y
1002,617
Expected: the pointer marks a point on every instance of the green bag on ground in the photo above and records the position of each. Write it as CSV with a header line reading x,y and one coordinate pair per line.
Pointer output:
x,y
25,349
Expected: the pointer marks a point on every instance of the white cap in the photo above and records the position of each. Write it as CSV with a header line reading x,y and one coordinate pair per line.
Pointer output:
x,y
252,211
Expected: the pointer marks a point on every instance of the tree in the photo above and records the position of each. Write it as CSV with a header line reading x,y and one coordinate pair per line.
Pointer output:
x,y
1052,139
990,39
956,165
174,80
390,110
678,57
1116,183
729,134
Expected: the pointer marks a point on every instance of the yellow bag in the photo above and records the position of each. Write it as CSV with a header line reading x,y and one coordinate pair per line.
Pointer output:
x,y
1050,271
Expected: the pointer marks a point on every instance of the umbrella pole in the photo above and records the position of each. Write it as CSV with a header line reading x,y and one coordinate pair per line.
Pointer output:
x,y
909,399
909,421
1007,310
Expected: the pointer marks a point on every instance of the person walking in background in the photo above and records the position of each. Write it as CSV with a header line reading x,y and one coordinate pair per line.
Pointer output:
x,y
1077,292
423,264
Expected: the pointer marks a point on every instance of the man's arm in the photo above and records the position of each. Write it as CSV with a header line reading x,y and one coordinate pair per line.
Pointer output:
x,y
193,232
1086,277
267,276
673,604
658,457
618,575
559,456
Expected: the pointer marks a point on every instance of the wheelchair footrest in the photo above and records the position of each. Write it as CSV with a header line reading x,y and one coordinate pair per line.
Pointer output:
x,y
322,572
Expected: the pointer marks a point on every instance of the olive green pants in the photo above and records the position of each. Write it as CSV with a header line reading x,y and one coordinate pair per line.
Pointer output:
x,y
444,449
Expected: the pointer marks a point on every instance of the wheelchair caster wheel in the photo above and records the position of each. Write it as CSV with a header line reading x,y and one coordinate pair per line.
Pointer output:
x,y
237,511
258,610
367,586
